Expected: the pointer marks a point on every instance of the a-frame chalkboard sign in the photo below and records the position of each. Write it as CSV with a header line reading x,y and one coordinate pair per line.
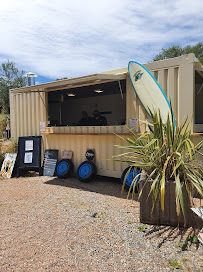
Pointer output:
x,y
50,160
29,154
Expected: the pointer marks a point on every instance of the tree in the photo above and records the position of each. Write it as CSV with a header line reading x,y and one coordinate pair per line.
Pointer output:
x,y
176,50
10,78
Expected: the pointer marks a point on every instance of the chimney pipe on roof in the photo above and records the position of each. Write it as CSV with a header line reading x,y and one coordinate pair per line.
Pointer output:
x,y
30,78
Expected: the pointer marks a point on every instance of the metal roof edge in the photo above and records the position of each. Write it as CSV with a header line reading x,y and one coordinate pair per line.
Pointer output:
x,y
71,81
113,74
183,59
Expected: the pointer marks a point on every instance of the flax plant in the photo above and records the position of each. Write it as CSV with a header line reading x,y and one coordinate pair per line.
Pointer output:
x,y
166,154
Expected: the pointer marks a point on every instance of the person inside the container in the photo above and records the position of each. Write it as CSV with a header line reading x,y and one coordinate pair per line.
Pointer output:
x,y
85,120
98,119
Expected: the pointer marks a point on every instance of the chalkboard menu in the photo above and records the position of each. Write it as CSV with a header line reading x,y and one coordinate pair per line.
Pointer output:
x,y
50,160
29,153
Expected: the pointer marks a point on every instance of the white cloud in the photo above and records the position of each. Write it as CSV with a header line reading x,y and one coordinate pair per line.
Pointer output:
x,y
71,38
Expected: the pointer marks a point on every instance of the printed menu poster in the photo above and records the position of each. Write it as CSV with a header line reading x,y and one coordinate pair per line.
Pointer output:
x,y
133,124
28,157
8,165
29,145
42,126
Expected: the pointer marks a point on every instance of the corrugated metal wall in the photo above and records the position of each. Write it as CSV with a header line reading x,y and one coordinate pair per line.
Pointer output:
x,y
103,145
27,110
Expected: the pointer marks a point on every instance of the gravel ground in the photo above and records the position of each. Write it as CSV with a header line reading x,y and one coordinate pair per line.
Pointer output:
x,y
48,224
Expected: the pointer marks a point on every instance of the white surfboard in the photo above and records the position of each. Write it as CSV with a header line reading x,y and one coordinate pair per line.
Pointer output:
x,y
148,90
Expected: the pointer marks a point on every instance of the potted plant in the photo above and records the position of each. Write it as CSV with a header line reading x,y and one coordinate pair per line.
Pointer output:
x,y
168,158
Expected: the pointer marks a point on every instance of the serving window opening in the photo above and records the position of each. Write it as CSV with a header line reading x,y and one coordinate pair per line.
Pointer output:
x,y
67,107
198,102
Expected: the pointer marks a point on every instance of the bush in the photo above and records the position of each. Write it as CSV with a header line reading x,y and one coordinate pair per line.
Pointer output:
x,y
12,147
3,124
7,147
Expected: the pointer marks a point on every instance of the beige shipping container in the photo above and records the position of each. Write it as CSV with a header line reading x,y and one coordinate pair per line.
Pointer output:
x,y
181,79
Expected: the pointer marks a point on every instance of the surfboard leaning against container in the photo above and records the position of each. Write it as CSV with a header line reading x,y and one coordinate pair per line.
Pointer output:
x,y
148,90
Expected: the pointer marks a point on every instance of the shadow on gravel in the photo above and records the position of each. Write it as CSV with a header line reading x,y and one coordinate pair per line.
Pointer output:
x,y
167,233
102,185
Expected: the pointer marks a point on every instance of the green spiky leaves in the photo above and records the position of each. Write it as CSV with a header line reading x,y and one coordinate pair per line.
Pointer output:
x,y
166,154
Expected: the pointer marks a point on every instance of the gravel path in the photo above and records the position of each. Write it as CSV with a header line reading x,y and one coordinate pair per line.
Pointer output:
x,y
47,224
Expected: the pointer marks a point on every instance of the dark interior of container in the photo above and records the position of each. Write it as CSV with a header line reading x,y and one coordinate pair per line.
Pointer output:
x,y
65,107
198,97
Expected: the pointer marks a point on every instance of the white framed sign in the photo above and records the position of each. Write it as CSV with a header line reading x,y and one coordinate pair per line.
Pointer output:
x,y
42,126
29,145
133,124
28,157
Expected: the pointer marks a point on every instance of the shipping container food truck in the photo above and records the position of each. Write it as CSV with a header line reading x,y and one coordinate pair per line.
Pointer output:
x,y
54,109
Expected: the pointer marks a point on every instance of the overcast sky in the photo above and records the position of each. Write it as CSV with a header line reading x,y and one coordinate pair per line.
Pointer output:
x,y
65,38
